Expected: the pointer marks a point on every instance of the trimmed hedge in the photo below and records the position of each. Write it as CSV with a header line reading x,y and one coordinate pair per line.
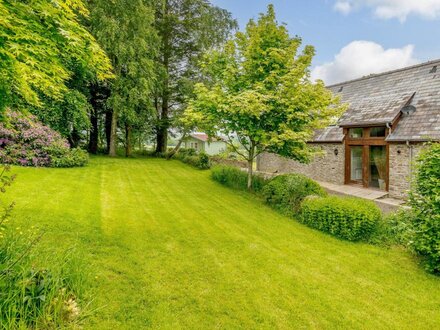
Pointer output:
x,y
235,178
425,202
286,192
352,219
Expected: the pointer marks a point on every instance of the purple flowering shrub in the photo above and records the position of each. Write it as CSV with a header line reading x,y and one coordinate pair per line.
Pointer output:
x,y
27,142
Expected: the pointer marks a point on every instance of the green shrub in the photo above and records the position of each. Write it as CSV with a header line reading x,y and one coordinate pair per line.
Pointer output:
x,y
204,161
235,178
352,219
72,158
190,156
183,152
286,192
395,229
425,202
27,142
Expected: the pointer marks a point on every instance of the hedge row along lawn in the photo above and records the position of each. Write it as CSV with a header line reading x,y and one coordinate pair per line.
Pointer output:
x,y
166,247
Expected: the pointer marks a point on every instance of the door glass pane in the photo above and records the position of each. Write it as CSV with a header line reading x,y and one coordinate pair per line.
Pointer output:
x,y
378,167
356,163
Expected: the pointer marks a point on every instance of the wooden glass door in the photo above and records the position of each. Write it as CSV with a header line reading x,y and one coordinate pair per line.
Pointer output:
x,y
366,157
356,164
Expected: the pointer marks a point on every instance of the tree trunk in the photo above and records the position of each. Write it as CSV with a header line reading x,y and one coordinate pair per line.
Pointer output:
x,y
74,138
108,129
162,137
113,135
250,169
162,127
176,149
140,142
127,140
94,132
251,165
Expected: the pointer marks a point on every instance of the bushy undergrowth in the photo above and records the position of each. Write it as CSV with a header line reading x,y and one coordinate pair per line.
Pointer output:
x,y
395,229
425,202
190,156
286,192
33,297
25,141
352,219
235,178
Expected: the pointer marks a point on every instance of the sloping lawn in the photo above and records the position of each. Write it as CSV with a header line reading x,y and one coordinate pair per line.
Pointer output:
x,y
165,247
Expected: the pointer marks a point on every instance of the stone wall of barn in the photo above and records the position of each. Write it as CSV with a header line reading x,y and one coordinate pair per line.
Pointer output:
x,y
402,160
331,167
328,167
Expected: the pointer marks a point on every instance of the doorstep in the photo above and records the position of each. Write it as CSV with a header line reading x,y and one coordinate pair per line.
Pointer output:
x,y
381,198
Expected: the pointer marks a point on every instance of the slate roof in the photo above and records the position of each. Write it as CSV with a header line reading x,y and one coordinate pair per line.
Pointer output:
x,y
329,134
378,99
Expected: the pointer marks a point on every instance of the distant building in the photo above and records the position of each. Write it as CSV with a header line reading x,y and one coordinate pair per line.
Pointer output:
x,y
201,143
374,143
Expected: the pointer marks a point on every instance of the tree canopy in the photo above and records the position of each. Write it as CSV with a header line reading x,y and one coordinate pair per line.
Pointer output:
x,y
187,29
125,30
40,41
260,92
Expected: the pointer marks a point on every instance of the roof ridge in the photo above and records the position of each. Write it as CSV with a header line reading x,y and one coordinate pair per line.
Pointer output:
x,y
373,75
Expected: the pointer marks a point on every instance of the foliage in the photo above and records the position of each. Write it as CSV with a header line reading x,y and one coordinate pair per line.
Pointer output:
x,y
190,156
352,219
395,229
124,28
286,192
39,40
25,141
183,152
72,158
69,116
31,297
259,90
186,30
235,178
425,202
201,160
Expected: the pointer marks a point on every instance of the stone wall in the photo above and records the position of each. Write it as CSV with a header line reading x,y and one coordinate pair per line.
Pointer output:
x,y
331,167
327,167
402,159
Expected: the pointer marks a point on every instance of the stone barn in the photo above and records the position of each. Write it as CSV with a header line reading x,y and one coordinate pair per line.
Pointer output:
x,y
391,116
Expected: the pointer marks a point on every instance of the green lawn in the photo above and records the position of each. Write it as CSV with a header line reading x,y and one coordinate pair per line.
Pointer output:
x,y
165,247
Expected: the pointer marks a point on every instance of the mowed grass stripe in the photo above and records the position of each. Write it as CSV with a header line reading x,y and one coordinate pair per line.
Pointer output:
x,y
173,249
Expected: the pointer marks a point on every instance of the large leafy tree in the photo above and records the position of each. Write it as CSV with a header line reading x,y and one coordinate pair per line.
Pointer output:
x,y
187,28
41,41
261,93
125,30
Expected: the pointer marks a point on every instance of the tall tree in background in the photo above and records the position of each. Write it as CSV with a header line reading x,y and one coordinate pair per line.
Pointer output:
x,y
187,28
125,30
39,42
260,92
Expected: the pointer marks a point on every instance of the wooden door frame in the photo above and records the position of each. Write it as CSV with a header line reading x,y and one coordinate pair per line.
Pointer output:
x,y
365,141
